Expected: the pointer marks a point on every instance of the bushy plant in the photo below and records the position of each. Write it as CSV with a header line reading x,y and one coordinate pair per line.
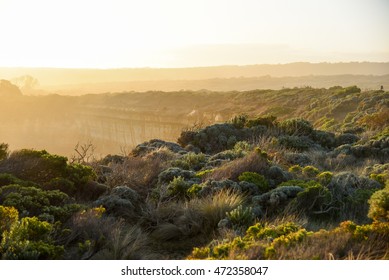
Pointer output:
x,y
300,143
166,176
3,151
241,216
259,231
8,217
278,197
178,187
31,201
314,200
255,178
190,161
379,205
296,127
310,171
268,121
30,239
324,177
295,169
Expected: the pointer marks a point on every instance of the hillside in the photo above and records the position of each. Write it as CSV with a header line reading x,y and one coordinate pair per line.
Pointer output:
x,y
298,173
113,122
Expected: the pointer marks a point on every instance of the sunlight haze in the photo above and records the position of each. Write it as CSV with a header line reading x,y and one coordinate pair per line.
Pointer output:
x,y
176,33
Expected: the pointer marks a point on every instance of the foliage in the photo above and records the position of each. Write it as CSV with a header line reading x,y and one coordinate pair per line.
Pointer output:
x,y
379,205
190,161
241,216
29,239
8,217
324,177
3,151
299,143
296,127
255,178
310,171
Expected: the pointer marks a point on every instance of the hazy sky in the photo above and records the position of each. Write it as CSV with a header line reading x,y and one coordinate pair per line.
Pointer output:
x,y
182,33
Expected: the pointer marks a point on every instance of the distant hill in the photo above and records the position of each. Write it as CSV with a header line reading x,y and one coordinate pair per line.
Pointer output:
x,y
56,76
8,89
367,75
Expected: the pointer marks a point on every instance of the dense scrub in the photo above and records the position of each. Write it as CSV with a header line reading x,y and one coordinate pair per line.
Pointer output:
x,y
263,187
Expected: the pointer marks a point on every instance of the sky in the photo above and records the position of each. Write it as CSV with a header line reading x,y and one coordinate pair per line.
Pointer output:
x,y
189,33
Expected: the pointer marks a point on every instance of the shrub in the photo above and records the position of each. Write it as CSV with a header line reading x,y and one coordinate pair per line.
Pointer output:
x,y
277,197
61,184
346,138
324,177
268,121
255,178
8,217
379,205
241,217
239,121
178,187
296,169
194,190
259,231
341,92
314,200
166,176
310,171
30,239
122,201
296,127
190,161
31,201
300,143
3,151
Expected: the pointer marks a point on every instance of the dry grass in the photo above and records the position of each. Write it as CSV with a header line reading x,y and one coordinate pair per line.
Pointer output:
x,y
125,243
214,208
253,162
139,173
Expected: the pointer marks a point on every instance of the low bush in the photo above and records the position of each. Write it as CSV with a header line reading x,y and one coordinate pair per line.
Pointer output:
x,y
255,178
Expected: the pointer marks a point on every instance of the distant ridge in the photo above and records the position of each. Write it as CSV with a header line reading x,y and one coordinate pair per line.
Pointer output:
x,y
58,76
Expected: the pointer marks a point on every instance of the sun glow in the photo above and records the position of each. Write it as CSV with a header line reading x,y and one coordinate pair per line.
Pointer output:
x,y
171,33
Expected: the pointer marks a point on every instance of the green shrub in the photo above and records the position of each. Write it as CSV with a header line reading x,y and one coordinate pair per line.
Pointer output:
x,y
379,205
178,187
341,92
310,171
268,121
324,177
61,184
190,161
296,169
31,201
3,151
300,143
8,217
36,166
241,217
194,190
239,121
314,200
255,178
380,178
296,127
30,239
301,183
271,231
204,173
